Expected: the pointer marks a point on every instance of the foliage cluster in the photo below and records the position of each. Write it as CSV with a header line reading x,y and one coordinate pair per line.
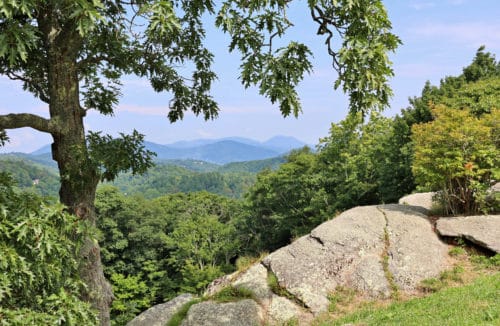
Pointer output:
x,y
168,179
39,282
155,249
457,155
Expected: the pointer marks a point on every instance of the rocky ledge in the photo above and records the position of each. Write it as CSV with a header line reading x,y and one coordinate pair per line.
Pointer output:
x,y
375,250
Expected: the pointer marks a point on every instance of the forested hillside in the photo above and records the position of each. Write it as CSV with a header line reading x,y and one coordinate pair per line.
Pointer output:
x,y
166,177
30,175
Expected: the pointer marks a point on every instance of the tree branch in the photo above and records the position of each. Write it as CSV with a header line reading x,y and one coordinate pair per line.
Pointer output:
x,y
29,83
21,120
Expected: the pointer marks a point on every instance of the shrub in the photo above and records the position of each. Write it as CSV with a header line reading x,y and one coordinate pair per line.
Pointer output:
x,y
457,155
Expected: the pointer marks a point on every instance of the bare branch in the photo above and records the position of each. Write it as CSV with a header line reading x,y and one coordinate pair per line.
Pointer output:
x,y
323,28
21,120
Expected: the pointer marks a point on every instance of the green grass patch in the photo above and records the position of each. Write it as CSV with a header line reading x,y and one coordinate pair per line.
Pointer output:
x,y
457,251
474,304
385,265
341,296
231,293
431,285
277,289
486,262
179,316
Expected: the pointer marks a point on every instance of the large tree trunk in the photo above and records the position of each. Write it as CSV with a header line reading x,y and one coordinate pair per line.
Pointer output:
x,y
79,177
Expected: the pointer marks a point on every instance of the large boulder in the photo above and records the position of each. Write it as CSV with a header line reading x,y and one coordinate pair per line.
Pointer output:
x,y
314,265
160,314
241,313
349,251
483,230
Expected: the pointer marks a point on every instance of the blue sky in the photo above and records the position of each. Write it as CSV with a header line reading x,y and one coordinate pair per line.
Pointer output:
x,y
439,39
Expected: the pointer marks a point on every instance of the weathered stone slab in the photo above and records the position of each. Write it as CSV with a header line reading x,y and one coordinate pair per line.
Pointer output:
x,y
421,202
160,314
281,310
255,278
344,251
209,313
415,252
483,230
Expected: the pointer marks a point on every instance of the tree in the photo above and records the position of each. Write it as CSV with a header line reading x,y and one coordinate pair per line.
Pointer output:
x,y
457,155
71,55
286,203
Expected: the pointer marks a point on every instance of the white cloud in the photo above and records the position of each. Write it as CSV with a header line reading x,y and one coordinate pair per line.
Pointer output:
x,y
471,34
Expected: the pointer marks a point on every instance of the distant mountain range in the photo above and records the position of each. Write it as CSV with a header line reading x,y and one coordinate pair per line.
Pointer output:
x,y
218,151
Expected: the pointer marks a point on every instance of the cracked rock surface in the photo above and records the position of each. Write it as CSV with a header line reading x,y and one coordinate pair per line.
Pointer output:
x,y
415,252
348,251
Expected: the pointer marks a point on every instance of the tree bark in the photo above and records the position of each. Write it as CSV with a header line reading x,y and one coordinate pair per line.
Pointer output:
x,y
79,177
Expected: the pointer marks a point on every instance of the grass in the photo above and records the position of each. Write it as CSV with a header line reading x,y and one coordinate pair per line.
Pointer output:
x,y
457,251
487,262
277,289
454,275
231,293
474,304
342,296
385,265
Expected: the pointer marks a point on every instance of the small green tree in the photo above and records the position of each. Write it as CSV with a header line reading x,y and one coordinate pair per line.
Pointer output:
x,y
457,155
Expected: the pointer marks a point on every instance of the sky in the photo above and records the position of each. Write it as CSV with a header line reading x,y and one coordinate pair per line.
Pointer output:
x,y
439,39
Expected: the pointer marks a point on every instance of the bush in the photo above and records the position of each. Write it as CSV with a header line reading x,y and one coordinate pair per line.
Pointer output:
x,y
457,155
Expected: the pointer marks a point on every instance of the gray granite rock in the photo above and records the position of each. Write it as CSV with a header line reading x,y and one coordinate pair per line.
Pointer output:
x,y
415,252
241,313
483,230
160,314
314,265
421,202
255,278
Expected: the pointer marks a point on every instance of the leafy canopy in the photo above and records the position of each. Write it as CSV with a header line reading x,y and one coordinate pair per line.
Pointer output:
x,y
164,42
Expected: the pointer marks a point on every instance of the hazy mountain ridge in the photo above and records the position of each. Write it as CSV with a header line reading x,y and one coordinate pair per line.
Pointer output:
x,y
218,151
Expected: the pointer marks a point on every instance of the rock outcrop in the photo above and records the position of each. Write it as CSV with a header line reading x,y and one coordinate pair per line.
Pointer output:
x,y
482,230
350,251
372,249
160,314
